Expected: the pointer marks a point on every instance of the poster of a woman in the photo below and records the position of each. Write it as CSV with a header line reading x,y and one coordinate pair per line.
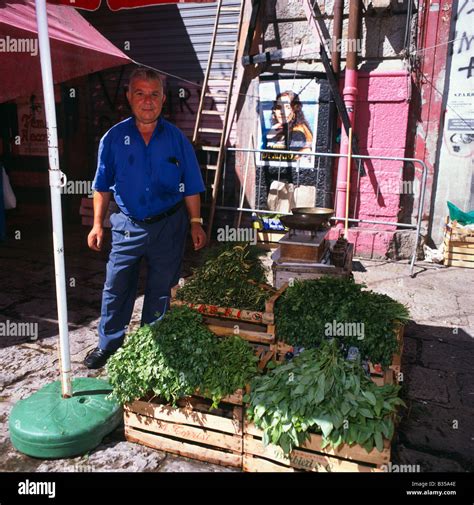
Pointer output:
x,y
288,121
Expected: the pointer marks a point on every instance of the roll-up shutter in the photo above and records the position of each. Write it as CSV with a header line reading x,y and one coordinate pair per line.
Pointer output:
x,y
172,38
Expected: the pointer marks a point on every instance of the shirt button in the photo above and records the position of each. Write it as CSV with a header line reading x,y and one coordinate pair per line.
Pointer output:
x,y
148,189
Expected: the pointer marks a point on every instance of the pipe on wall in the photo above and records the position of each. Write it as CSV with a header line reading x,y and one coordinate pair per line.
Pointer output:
x,y
337,35
338,18
350,98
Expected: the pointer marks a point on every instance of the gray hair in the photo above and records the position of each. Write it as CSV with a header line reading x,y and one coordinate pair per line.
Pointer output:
x,y
147,74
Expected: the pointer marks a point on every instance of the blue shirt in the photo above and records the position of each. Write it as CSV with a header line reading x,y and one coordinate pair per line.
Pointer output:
x,y
147,179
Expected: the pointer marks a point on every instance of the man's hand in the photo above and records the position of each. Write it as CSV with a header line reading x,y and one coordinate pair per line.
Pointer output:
x,y
198,235
95,238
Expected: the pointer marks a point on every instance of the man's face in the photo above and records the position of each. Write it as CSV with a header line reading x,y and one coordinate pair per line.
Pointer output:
x,y
146,99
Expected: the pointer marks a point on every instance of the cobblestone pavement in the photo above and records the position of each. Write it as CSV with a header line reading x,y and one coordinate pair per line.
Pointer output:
x,y
436,431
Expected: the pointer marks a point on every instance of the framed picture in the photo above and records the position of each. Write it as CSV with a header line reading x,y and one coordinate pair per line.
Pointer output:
x,y
288,115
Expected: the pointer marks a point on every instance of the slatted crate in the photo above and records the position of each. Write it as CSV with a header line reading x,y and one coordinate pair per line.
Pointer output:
x,y
285,272
190,429
391,374
251,325
458,245
310,456
378,375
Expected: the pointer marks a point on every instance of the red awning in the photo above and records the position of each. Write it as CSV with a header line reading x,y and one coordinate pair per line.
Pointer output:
x,y
77,48
115,5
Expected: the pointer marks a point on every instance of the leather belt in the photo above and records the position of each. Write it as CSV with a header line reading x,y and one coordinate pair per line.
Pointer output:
x,y
159,217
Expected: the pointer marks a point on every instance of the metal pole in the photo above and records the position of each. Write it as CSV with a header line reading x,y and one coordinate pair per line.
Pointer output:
x,y
424,177
336,36
336,66
242,198
56,181
334,218
348,184
350,99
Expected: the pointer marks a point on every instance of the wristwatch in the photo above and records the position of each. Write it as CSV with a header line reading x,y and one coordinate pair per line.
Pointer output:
x,y
196,220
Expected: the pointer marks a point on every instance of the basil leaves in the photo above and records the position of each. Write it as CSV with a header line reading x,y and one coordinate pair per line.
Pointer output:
x,y
320,392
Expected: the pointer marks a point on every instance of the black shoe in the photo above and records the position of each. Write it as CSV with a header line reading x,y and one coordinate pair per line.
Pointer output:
x,y
97,358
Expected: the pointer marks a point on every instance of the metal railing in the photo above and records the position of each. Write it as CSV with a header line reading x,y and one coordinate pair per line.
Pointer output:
x,y
416,226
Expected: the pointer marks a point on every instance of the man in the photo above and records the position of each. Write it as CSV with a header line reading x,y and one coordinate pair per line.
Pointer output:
x,y
151,168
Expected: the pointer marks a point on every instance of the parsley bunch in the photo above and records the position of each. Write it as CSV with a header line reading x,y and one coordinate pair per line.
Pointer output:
x,y
233,365
305,310
178,355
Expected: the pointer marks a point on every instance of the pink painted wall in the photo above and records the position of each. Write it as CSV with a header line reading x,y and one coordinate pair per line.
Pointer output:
x,y
381,123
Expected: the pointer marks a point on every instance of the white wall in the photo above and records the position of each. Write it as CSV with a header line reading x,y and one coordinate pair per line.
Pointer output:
x,y
455,174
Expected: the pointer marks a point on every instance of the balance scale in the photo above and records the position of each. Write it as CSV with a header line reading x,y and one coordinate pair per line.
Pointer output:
x,y
303,246
305,255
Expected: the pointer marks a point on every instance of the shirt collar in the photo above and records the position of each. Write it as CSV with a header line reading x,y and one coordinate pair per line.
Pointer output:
x,y
158,128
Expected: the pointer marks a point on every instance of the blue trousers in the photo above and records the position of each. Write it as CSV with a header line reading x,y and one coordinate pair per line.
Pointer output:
x,y
162,245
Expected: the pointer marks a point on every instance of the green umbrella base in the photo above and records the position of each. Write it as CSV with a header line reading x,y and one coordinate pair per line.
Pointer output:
x,y
46,425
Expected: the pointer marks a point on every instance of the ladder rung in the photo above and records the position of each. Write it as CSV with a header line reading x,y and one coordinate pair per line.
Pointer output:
x,y
221,83
228,26
216,95
229,8
209,167
212,112
210,148
222,60
223,78
225,43
210,130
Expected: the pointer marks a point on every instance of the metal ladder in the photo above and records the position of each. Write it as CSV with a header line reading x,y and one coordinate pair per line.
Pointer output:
x,y
215,147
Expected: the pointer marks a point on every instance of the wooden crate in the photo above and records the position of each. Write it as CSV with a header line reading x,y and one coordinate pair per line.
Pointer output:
x,y
284,272
270,237
310,456
458,246
391,374
302,252
380,376
396,365
190,429
254,326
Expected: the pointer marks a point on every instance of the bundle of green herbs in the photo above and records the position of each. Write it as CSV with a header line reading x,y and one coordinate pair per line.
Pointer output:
x,y
177,356
229,277
321,392
311,311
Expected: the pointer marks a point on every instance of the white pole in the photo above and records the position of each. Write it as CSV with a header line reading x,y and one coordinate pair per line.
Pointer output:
x,y
55,183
